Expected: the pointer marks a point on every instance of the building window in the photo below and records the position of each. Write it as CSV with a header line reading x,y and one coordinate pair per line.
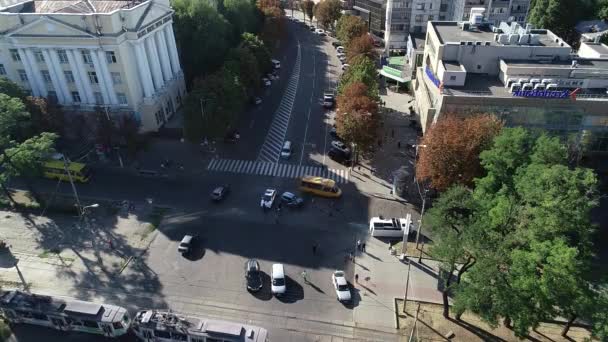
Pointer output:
x,y
98,98
159,117
2,70
46,76
86,57
75,97
122,98
93,77
452,78
23,75
418,18
52,96
63,56
69,77
420,6
431,17
39,57
116,79
111,57
15,55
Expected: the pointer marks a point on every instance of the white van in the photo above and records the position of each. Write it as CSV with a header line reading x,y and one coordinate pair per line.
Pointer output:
x,y
286,150
390,227
276,64
278,284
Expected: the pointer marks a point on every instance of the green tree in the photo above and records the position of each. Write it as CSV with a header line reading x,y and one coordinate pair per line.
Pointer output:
x,y
602,9
259,51
14,119
559,16
242,15
349,27
26,158
327,12
11,88
203,37
307,7
242,62
362,69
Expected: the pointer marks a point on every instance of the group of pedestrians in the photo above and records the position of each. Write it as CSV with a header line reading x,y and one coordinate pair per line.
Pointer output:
x,y
360,246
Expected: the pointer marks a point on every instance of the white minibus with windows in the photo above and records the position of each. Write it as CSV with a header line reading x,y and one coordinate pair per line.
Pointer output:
x,y
390,227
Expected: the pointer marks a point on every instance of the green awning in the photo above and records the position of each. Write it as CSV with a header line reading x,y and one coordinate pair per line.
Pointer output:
x,y
393,74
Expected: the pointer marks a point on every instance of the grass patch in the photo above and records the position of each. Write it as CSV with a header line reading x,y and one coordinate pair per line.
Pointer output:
x,y
5,331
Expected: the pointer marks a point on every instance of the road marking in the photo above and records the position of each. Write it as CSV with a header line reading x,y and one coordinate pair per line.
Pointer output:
x,y
270,151
312,95
276,170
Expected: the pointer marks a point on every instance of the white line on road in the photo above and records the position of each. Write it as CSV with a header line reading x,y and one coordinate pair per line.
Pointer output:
x,y
312,95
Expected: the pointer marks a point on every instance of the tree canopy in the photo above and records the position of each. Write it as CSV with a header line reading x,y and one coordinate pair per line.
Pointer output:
x,y
361,46
327,12
307,7
362,69
449,152
525,229
560,16
357,116
349,27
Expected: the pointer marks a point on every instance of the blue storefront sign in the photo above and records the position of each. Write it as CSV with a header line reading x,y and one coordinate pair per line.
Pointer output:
x,y
431,76
552,94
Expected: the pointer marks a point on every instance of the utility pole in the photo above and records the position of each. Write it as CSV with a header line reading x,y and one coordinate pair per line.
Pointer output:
x,y
407,284
419,231
67,170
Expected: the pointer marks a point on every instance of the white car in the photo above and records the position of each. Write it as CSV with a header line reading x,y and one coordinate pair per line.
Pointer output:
x,y
320,32
337,144
266,81
340,49
276,64
345,66
341,286
341,54
278,285
268,198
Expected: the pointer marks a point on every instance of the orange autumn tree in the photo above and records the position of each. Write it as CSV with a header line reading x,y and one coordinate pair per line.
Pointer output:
x,y
357,116
450,149
361,46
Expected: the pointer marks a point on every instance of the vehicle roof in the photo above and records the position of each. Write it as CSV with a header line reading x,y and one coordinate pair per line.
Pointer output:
x,y
269,191
187,239
252,263
278,271
319,180
72,166
341,281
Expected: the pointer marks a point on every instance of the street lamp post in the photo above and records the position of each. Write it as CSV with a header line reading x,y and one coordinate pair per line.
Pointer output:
x,y
419,231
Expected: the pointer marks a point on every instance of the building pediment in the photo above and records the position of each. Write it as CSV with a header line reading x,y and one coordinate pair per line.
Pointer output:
x,y
154,12
49,27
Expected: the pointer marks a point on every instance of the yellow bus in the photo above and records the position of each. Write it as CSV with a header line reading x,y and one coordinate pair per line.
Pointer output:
x,y
55,169
320,186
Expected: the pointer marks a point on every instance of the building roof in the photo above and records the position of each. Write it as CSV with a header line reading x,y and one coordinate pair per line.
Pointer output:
x,y
451,32
453,66
597,47
580,63
418,40
76,6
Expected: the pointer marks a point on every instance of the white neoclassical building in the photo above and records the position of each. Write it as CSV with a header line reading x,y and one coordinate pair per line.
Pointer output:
x,y
120,55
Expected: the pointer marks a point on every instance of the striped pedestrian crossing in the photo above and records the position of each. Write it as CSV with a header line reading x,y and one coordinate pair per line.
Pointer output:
x,y
259,168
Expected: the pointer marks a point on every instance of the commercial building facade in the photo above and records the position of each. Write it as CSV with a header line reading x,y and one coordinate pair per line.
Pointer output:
x,y
525,76
117,55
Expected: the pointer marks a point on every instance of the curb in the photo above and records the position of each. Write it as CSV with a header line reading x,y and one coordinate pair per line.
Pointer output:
x,y
396,317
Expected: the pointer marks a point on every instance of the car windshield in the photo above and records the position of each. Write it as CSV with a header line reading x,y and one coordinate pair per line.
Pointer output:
x,y
267,198
342,288
278,281
252,274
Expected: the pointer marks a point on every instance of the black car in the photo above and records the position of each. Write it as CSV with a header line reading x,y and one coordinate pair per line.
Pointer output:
x,y
253,277
334,133
336,44
291,200
339,156
220,192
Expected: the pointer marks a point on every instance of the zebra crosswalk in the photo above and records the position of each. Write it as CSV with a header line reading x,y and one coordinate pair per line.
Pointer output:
x,y
253,167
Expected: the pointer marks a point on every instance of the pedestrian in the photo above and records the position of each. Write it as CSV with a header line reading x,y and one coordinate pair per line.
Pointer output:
x,y
356,278
351,256
314,249
363,247
398,144
304,276
110,244
358,245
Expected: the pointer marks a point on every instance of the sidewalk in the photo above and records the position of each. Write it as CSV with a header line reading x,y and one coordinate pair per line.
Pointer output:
x,y
383,277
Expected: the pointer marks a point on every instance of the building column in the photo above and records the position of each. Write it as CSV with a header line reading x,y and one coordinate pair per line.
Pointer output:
x,y
144,69
100,79
152,54
105,72
172,49
53,74
30,74
36,72
80,77
163,54
63,84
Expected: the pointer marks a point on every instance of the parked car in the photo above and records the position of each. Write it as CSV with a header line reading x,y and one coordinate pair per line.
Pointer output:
x,y
291,200
253,277
333,132
336,44
278,285
276,64
337,144
339,156
257,100
268,198
266,82
320,32
312,28
345,66
220,192
341,286
342,60
185,246
328,100
340,49
340,54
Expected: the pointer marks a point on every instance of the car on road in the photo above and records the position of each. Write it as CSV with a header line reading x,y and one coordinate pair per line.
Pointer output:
x,y
342,60
339,156
340,49
266,81
312,28
286,150
337,144
276,64
220,192
338,279
336,44
320,32
253,277
291,200
185,246
345,66
268,198
328,100
340,54
278,285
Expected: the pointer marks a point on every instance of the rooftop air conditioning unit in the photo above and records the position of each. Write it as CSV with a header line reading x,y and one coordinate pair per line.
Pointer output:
x,y
513,39
534,39
469,43
487,43
476,19
478,43
503,39
524,39
463,43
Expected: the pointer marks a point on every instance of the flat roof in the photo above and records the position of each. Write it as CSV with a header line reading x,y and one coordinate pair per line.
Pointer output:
x,y
451,32
418,40
599,48
582,63
75,6
452,66
84,308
